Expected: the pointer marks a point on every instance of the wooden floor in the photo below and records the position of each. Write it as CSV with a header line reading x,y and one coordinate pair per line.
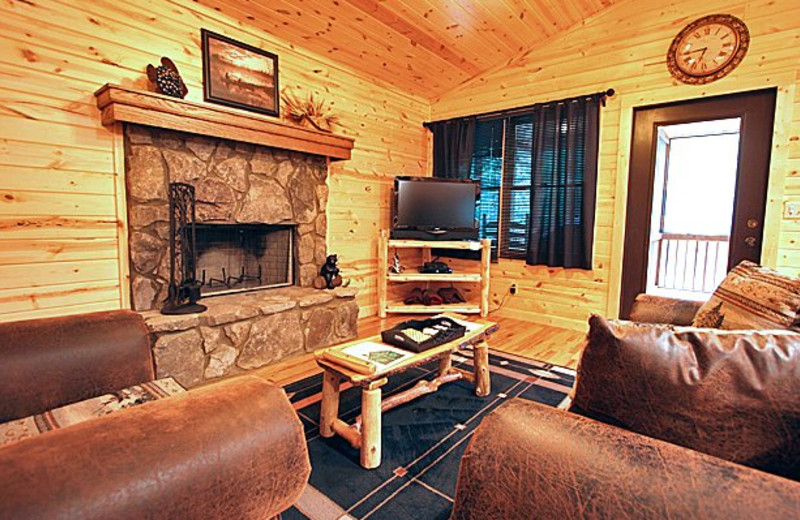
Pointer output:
x,y
542,342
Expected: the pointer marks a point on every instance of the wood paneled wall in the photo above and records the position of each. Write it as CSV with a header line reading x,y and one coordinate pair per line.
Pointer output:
x,y
624,48
59,210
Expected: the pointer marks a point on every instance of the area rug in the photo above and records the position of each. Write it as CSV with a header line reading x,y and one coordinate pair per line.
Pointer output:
x,y
423,440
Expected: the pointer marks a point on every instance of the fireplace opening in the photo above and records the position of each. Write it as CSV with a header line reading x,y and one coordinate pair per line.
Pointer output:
x,y
243,257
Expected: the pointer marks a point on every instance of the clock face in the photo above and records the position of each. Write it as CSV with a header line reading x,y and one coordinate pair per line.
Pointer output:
x,y
708,49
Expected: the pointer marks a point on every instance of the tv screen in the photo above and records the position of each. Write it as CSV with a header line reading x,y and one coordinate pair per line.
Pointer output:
x,y
430,203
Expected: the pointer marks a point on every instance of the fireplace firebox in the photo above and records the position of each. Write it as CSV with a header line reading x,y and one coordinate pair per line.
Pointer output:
x,y
244,257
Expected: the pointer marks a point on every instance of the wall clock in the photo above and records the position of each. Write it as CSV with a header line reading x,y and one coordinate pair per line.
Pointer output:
x,y
708,49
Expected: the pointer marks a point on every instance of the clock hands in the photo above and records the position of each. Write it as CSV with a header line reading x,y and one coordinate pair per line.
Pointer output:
x,y
694,61
704,49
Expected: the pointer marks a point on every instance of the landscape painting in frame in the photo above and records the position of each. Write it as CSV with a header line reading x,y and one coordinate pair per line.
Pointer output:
x,y
239,75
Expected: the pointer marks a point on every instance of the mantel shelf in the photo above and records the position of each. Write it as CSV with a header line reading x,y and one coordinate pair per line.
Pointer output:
x,y
124,105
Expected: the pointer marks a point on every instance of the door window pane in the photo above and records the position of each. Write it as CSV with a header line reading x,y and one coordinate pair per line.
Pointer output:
x,y
701,182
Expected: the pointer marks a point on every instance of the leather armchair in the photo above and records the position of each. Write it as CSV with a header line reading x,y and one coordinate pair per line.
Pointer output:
x,y
233,449
530,461
596,461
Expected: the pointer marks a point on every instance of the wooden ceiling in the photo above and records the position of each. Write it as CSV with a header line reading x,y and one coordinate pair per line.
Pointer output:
x,y
425,47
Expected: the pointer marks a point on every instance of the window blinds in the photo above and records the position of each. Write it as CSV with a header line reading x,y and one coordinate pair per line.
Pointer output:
x,y
487,168
517,187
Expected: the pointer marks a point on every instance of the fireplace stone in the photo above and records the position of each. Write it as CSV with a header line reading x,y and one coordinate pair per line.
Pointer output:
x,y
245,331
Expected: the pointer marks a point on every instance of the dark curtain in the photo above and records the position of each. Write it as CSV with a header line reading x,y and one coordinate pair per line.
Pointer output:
x,y
563,183
453,144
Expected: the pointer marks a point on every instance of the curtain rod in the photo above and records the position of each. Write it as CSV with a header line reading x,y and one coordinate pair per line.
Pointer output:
x,y
510,111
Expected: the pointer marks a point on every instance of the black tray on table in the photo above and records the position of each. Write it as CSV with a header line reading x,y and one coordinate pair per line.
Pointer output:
x,y
421,335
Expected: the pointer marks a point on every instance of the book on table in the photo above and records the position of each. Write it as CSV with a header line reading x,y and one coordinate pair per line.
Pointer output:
x,y
367,357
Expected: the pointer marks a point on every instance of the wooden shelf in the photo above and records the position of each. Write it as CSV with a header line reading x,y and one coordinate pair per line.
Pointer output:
x,y
385,278
464,308
441,277
121,104
470,245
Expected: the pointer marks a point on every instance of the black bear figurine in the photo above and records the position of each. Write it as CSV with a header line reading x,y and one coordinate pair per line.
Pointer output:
x,y
330,271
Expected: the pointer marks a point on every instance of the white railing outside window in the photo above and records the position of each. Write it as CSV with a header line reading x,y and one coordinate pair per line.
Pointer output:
x,y
688,263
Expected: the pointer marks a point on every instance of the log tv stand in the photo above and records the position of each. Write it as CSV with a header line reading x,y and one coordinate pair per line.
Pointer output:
x,y
385,244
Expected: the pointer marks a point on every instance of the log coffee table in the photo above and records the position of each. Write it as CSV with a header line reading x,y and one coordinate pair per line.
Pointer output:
x,y
365,433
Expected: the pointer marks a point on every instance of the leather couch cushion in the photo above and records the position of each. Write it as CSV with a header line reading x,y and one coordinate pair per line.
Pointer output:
x,y
752,297
734,395
20,429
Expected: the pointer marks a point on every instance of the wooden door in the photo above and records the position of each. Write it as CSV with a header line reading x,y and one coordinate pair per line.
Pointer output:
x,y
756,110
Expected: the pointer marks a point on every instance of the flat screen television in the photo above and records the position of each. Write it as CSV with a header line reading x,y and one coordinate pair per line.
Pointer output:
x,y
430,208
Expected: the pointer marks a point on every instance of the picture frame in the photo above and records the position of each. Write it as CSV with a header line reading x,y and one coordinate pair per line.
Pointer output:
x,y
239,75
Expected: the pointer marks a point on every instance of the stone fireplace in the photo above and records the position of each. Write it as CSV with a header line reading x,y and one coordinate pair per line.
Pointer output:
x,y
260,241
241,190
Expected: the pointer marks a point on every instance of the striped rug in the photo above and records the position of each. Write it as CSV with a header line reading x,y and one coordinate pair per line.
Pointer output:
x,y
423,441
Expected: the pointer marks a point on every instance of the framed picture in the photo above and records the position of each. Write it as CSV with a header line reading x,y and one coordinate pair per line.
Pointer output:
x,y
239,75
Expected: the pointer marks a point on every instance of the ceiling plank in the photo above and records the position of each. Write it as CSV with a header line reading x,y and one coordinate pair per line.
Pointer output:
x,y
414,33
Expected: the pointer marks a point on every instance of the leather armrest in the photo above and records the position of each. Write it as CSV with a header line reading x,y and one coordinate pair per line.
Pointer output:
x,y
47,363
660,309
530,461
234,449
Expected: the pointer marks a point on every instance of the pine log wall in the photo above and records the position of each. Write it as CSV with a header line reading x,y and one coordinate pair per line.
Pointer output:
x,y
60,217
624,48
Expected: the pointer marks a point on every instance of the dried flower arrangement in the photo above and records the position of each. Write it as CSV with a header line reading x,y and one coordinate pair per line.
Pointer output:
x,y
311,111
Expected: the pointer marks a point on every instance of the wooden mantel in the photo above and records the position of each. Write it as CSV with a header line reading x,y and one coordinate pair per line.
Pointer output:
x,y
124,105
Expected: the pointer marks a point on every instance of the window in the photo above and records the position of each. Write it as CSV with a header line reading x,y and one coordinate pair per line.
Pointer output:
x,y
537,168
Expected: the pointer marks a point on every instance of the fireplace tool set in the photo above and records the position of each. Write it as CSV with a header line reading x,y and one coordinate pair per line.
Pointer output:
x,y
184,289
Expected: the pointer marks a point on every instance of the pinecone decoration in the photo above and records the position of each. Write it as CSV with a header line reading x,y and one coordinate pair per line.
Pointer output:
x,y
167,79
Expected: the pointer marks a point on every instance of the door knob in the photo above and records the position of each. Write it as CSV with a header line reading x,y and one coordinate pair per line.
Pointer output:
x,y
752,223
750,241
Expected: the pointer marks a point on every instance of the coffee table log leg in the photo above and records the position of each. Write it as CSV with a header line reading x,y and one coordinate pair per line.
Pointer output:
x,y
371,428
483,385
445,364
329,408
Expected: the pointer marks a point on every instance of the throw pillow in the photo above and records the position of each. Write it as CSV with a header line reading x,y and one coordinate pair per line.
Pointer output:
x,y
731,394
81,411
752,297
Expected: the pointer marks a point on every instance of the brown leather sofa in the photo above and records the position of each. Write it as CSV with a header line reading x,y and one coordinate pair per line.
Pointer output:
x,y
233,449
663,424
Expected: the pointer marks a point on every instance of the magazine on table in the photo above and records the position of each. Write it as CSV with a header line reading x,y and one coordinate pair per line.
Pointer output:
x,y
368,357
382,355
